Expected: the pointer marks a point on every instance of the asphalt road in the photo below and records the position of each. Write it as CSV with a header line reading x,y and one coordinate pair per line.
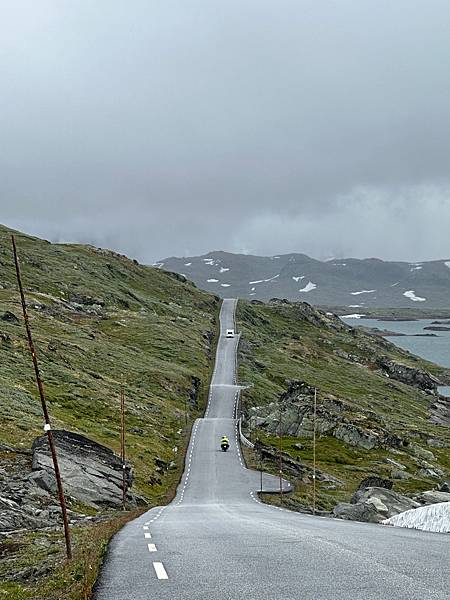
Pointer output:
x,y
217,541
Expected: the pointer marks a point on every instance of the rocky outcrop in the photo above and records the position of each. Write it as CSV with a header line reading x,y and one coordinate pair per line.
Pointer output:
x,y
433,497
409,375
334,417
23,504
440,411
194,391
91,473
373,505
374,481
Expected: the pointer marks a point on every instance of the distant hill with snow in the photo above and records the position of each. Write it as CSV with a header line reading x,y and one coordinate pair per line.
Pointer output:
x,y
353,283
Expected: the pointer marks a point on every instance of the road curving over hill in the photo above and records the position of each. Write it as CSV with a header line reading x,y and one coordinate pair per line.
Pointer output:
x,y
217,541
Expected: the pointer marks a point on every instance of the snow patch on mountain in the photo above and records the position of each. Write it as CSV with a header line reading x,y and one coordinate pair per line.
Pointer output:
x,y
447,263
224,269
435,517
264,280
212,280
308,287
297,279
225,284
412,296
187,264
353,316
362,292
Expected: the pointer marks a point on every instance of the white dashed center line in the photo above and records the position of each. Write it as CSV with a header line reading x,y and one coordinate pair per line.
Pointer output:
x,y
147,535
151,547
160,571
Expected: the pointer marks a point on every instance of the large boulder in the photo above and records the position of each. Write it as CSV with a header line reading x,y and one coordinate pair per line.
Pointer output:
x,y
373,505
91,473
433,497
409,375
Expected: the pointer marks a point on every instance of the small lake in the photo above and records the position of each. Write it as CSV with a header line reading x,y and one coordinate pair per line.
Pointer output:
x,y
436,349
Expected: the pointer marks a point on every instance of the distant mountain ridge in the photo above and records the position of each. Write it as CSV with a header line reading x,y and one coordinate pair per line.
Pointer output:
x,y
353,283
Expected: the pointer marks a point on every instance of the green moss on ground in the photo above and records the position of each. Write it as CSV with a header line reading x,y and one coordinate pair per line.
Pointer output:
x,y
280,343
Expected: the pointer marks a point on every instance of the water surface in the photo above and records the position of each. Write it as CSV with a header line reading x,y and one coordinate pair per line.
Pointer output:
x,y
436,349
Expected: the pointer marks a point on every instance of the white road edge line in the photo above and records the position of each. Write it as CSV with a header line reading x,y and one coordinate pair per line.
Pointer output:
x,y
160,571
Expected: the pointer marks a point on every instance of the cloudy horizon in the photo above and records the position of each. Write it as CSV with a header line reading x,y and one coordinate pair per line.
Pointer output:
x,y
258,127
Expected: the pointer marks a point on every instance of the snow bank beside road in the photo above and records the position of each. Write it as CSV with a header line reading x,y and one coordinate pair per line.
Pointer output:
x,y
435,517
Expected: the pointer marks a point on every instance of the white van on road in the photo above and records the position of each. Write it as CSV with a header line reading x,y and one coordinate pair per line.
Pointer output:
x,y
230,333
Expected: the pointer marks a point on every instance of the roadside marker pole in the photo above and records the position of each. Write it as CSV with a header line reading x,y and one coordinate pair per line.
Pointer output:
x,y
122,443
280,459
47,425
314,451
261,471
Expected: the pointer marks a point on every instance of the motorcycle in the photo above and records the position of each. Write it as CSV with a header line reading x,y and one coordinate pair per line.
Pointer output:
x,y
224,446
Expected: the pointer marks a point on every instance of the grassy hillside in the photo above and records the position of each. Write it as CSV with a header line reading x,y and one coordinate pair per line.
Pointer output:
x,y
283,341
97,318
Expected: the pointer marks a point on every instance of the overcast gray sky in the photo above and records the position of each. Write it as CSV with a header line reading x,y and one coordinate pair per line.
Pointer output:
x,y
173,128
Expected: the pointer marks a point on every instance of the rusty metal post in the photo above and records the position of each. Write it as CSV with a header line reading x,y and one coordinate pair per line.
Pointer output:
x,y
261,472
47,425
280,459
122,444
314,451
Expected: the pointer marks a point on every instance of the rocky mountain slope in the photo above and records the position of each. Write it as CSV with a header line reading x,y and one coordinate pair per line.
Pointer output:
x,y
352,283
378,410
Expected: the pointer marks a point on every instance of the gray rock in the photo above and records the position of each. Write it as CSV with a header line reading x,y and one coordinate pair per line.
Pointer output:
x,y
91,473
400,475
421,452
14,516
357,512
433,497
373,505
433,473
395,503
394,463
436,443
409,375
373,481
356,436
44,479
